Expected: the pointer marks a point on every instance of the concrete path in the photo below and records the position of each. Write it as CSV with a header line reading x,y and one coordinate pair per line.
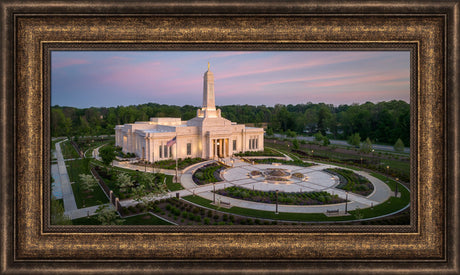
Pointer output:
x,y
66,188
238,176
83,212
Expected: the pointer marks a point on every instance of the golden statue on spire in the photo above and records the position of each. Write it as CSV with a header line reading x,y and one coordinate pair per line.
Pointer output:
x,y
208,66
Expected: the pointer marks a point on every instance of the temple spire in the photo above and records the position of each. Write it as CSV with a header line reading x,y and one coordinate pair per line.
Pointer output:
x,y
208,91
208,108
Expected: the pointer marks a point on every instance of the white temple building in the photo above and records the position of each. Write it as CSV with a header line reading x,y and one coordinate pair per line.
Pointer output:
x,y
208,135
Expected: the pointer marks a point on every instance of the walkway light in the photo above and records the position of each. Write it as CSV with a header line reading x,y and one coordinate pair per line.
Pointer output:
x,y
388,168
396,189
276,212
214,193
346,203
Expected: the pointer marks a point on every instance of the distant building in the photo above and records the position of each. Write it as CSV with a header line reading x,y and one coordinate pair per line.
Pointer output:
x,y
208,135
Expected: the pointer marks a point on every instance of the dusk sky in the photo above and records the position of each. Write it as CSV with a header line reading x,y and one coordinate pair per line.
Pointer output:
x,y
110,78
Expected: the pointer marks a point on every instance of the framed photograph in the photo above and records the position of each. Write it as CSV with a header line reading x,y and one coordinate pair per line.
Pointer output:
x,y
319,138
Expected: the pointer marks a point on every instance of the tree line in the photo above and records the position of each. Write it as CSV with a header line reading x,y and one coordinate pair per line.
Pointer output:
x,y
383,122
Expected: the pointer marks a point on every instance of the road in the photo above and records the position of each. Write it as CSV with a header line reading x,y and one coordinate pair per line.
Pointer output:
x,y
344,143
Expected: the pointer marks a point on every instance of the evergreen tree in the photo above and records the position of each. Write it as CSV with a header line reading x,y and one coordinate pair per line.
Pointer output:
x,y
399,145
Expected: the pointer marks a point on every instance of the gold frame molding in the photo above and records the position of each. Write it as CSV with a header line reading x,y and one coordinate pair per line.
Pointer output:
x,y
30,28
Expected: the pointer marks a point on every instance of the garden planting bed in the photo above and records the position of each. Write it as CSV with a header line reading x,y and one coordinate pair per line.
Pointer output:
x,y
294,198
182,212
208,174
352,182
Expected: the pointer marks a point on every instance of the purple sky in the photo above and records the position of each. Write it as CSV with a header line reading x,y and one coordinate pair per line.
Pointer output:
x,y
110,78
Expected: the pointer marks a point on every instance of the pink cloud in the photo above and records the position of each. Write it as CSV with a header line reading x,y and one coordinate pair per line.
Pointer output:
x,y
270,65
379,78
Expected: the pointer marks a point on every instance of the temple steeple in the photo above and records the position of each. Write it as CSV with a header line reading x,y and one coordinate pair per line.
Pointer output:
x,y
208,108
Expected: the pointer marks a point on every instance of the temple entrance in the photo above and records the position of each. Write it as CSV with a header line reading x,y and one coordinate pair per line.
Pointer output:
x,y
220,147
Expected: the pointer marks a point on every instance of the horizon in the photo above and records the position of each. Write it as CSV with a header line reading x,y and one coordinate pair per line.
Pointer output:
x,y
268,106
85,79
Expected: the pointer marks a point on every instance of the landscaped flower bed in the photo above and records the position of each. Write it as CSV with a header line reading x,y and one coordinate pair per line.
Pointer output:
x,y
287,162
297,198
207,174
352,182
266,152
255,173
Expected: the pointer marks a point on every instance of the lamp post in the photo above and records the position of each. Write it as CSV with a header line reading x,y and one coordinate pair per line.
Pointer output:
x,y
388,169
396,188
361,161
214,193
372,155
346,202
276,212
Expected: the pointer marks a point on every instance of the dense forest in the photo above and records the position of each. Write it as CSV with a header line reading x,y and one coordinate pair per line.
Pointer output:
x,y
383,122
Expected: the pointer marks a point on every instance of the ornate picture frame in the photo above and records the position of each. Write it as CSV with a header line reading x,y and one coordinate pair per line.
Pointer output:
x,y
30,29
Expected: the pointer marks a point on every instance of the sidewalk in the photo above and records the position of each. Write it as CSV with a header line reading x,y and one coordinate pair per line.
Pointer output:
x,y
83,212
381,194
66,188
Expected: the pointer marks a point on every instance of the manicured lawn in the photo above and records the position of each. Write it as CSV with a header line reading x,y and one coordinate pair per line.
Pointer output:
x,y
391,205
173,186
171,164
68,151
74,169
141,220
134,220
93,142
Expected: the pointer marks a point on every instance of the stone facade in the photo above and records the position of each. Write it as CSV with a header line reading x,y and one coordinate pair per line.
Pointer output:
x,y
208,135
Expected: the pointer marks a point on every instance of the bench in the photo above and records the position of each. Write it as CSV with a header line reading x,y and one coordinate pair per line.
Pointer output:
x,y
225,203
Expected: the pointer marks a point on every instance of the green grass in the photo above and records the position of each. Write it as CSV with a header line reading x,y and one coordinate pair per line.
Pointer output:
x,y
389,206
171,163
138,220
134,220
74,169
68,151
173,186
111,182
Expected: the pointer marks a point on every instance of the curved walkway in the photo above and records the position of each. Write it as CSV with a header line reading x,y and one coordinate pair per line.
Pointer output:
x,y
381,194
381,191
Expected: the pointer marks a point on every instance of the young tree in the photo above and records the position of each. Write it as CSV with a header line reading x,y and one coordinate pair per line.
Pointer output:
x,y
87,182
269,131
57,213
366,147
354,139
107,215
295,144
291,134
107,154
399,145
326,141
318,137
125,182
145,194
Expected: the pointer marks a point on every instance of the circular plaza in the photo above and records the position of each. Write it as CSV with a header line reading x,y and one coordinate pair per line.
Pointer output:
x,y
286,178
